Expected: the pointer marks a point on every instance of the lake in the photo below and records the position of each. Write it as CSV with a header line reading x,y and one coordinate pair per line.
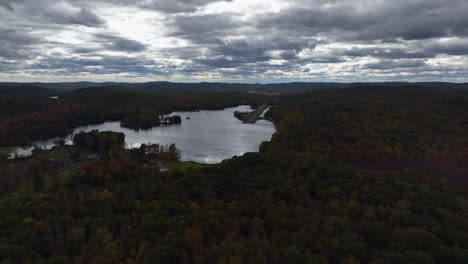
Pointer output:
x,y
204,136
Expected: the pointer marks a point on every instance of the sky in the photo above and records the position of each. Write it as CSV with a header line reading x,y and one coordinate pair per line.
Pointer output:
x,y
233,40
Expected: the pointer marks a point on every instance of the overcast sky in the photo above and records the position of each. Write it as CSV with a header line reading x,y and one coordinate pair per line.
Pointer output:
x,y
234,41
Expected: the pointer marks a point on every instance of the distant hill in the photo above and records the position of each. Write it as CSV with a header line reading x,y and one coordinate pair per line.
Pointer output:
x,y
95,90
61,87
73,85
51,89
25,90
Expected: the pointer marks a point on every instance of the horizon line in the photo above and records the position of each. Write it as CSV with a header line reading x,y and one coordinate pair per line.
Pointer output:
x,y
249,83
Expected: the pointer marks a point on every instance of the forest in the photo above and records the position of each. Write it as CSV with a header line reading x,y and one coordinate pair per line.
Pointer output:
x,y
359,174
33,115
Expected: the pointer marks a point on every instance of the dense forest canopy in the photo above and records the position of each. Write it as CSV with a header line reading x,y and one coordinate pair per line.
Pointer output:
x,y
367,174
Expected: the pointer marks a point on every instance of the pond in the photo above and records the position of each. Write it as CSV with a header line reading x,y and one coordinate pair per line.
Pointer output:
x,y
204,136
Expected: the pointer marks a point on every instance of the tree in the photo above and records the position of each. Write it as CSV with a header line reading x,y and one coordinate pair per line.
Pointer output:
x,y
194,238
163,255
290,256
38,182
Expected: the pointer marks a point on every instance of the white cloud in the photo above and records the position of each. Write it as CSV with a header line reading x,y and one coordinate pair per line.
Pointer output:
x,y
242,40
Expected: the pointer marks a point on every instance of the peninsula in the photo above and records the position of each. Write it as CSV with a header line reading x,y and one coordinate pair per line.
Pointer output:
x,y
251,117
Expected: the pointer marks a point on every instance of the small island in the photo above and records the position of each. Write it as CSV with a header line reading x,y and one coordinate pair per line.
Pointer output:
x,y
146,122
169,120
251,117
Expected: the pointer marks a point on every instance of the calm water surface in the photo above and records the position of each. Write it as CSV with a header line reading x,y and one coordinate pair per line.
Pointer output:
x,y
206,137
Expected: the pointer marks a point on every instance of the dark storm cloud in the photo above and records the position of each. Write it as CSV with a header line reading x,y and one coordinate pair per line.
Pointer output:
x,y
116,43
388,53
420,38
424,50
14,37
15,44
205,28
83,17
221,62
384,20
162,6
457,47
288,54
396,64
101,65
16,47
6,4
311,21
85,50
324,59
227,43
171,6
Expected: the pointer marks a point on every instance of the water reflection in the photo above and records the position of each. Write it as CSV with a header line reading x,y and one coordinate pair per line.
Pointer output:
x,y
203,136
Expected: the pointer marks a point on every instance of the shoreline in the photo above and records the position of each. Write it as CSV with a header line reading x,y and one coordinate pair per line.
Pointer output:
x,y
251,117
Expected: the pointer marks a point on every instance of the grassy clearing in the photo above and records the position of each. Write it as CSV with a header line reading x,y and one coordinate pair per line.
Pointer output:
x,y
6,150
53,178
50,182
58,153
183,165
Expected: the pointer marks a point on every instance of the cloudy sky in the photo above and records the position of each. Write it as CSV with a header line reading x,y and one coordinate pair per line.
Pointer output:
x,y
235,41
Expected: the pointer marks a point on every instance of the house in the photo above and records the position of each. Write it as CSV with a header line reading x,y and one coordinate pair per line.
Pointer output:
x,y
151,148
161,167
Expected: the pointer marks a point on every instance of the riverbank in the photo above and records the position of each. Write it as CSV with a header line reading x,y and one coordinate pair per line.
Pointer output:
x,y
251,117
